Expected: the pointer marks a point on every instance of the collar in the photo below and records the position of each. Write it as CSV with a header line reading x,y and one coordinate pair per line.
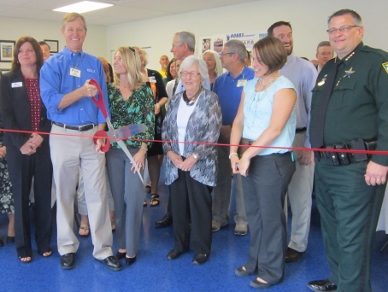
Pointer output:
x,y
348,57
239,74
71,55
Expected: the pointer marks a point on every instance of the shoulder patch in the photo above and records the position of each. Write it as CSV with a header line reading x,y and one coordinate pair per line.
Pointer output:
x,y
385,66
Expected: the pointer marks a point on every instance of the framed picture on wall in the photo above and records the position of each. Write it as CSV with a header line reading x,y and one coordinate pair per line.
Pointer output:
x,y
53,44
6,50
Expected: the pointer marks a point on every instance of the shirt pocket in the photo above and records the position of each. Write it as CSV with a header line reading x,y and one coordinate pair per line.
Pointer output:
x,y
344,92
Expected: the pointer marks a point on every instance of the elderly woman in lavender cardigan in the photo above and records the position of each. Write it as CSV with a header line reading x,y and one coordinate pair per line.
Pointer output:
x,y
191,125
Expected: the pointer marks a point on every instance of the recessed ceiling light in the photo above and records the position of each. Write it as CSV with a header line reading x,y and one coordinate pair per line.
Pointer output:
x,y
82,7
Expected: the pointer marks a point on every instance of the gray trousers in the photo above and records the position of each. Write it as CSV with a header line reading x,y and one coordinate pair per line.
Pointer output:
x,y
68,155
128,195
265,188
222,192
299,194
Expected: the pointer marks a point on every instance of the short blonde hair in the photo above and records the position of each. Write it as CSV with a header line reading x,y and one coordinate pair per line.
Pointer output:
x,y
73,16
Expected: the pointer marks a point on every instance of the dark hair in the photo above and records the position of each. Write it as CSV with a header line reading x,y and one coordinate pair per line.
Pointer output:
x,y
169,76
36,47
356,17
41,43
272,53
277,24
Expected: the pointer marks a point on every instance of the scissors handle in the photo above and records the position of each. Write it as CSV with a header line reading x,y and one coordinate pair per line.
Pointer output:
x,y
100,101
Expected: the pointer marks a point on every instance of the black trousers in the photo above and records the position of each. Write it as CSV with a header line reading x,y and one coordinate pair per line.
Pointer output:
x,y
191,203
21,170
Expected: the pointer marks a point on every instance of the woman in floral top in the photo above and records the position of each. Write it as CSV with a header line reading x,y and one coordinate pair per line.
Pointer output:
x,y
130,102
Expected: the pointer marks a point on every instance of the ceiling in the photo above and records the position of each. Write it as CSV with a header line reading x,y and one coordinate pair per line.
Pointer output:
x,y
123,10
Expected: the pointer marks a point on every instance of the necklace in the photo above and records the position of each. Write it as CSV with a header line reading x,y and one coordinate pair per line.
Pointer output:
x,y
188,101
265,85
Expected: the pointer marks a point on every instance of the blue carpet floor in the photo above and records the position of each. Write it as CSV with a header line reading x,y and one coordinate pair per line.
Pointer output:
x,y
153,272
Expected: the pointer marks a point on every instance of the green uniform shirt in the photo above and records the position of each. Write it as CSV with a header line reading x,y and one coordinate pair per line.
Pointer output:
x,y
358,106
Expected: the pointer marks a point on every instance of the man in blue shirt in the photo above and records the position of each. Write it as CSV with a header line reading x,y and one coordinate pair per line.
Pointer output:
x,y
228,87
66,93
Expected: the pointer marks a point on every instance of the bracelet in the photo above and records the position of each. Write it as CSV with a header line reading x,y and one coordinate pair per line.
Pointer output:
x,y
144,148
233,153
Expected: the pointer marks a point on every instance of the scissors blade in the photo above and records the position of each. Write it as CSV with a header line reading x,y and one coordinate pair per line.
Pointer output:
x,y
125,149
130,130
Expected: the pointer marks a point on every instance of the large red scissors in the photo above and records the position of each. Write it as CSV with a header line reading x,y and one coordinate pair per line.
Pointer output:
x,y
116,135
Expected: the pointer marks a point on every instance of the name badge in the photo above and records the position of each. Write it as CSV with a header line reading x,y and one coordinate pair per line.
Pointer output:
x,y
241,82
75,72
152,79
16,84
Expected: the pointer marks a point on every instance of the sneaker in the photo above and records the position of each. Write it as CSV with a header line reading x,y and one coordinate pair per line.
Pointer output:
x,y
216,226
241,229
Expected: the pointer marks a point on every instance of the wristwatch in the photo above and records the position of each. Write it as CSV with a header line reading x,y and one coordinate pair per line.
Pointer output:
x,y
196,156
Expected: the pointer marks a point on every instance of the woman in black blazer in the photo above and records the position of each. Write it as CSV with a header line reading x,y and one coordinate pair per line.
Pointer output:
x,y
28,153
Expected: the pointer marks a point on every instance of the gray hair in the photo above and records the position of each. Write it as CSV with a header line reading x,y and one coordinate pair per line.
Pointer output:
x,y
187,37
216,56
191,60
237,47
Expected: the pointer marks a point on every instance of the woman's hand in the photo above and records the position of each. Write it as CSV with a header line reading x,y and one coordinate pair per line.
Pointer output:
x,y
157,108
175,158
187,164
234,161
139,158
3,151
243,166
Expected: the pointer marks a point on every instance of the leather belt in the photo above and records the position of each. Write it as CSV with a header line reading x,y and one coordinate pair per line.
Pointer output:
x,y
75,128
301,130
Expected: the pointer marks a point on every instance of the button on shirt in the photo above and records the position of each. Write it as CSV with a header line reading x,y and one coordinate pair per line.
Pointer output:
x,y
56,81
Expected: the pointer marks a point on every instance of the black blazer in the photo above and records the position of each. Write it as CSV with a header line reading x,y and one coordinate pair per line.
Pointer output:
x,y
15,110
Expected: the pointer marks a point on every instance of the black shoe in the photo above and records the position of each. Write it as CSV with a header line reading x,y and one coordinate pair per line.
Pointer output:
x,y
1,242
130,261
259,285
174,254
200,258
10,239
112,263
68,261
293,255
242,272
165,221
322,285
120,255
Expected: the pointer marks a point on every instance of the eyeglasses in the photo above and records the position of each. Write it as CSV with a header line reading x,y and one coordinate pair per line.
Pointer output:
x,y
192,74
175,45
133,50
224,54
344,28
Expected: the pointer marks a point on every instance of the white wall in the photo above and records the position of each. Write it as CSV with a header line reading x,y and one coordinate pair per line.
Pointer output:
x,y
14,28
308,18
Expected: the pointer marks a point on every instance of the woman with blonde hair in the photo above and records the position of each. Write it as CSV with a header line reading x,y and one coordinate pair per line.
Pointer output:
x,y
130,102
213,63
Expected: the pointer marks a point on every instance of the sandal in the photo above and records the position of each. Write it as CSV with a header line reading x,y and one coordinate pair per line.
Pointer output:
x,y
148,187
144,203
25,260
113,226
154,200
84,231
46,254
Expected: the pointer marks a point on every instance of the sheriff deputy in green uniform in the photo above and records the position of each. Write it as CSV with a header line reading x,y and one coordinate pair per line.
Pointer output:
x,y
349,111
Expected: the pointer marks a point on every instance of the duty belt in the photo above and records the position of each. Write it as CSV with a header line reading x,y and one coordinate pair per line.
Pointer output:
x,y
345,158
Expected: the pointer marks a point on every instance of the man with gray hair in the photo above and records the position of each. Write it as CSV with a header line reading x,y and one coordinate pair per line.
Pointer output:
x,y
228,87
324,53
